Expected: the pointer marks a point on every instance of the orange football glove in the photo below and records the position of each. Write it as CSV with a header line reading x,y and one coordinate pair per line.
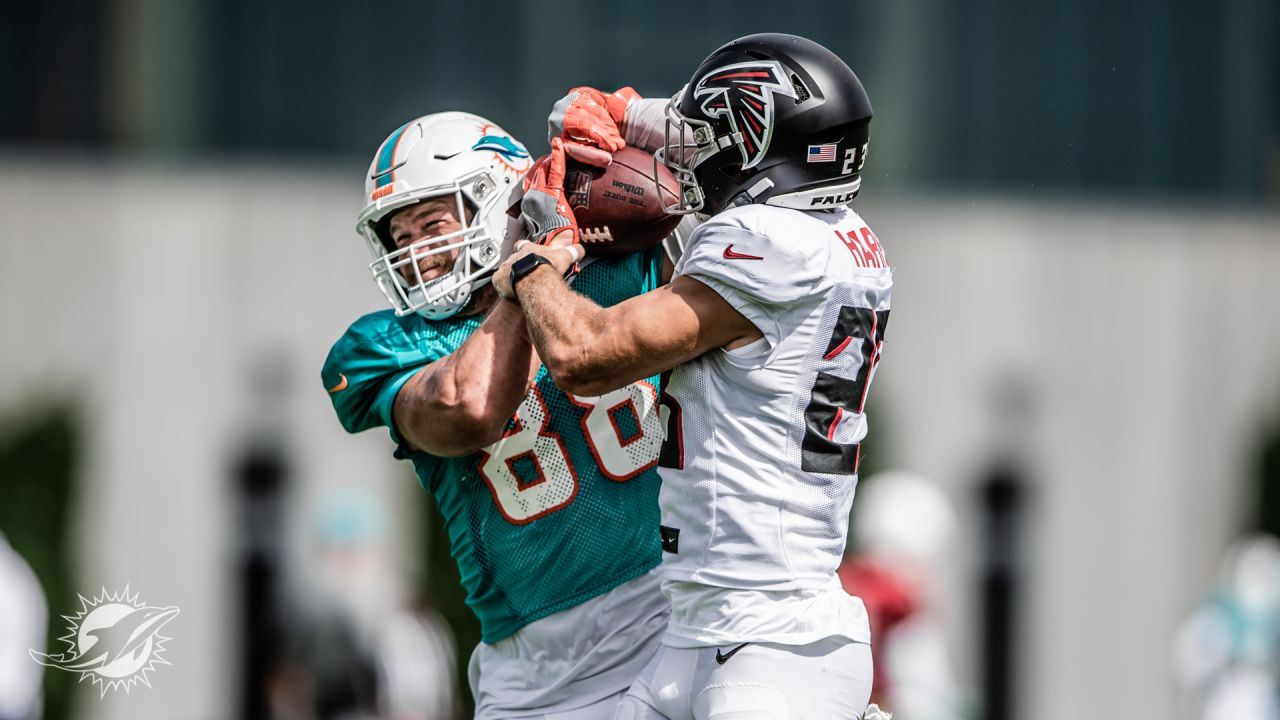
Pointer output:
x,y
544,207
590,123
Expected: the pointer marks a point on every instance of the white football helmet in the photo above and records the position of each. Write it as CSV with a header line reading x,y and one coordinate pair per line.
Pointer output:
x,y
449,154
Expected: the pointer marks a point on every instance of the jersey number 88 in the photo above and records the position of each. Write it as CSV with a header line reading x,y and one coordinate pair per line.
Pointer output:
x,y
619,456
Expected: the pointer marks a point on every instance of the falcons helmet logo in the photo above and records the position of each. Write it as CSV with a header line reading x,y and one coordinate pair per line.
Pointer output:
x,y
743,92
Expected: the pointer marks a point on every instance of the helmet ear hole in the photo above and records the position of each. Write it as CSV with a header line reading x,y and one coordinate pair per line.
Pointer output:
x,y
802,93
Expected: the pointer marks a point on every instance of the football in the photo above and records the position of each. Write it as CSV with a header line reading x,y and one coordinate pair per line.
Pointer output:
x,y
619,208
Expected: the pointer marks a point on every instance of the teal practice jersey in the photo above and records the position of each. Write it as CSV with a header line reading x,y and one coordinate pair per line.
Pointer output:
x,y
565,506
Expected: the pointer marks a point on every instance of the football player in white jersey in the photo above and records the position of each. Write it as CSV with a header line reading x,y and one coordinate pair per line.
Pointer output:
x,y
771,329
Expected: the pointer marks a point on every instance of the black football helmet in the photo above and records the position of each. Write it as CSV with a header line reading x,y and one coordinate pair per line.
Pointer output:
x,y
769,118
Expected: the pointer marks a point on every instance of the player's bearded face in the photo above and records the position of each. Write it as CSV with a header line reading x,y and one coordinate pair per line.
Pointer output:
x,y
430,218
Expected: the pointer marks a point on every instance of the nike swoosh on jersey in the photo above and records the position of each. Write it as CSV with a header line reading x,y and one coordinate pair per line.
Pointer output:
x,y
342,384
731,255
722,659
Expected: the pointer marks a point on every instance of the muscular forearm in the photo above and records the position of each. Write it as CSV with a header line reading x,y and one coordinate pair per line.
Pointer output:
x,y
566,329
591,350
492,365
462,402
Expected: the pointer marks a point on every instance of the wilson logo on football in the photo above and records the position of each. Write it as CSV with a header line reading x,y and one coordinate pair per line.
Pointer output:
x,y
743,93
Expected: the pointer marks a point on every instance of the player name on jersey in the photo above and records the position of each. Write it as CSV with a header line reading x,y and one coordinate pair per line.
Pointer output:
x,y
866,249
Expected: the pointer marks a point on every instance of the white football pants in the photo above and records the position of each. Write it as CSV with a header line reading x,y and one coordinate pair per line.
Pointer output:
x,y
826,680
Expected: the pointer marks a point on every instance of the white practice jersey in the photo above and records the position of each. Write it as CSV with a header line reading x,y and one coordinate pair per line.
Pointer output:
x,y
760,460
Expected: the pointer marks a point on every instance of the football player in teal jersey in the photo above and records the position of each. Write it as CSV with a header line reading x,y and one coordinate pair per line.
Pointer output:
x,y
549,499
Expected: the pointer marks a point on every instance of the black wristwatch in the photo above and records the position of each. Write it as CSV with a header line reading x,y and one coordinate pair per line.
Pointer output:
x,y
524,266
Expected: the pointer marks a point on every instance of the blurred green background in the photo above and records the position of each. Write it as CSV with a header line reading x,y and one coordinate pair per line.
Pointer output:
x,y
1144,97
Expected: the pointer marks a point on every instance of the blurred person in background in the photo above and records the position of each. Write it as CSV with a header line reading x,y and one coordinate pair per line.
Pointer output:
x,y
1226,655
23,623
764,406
549,499
903,529
355,648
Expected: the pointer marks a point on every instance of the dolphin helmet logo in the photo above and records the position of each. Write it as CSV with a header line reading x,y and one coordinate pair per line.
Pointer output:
x,y
114,641
509,149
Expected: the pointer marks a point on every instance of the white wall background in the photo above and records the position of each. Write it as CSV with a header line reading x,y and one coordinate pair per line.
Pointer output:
x,y
1145,335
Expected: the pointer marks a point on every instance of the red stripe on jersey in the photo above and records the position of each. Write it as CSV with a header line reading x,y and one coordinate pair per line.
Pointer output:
x,y
838,349
831,431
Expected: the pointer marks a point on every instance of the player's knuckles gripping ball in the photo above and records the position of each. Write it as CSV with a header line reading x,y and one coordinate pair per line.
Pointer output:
x,y
588,154
590,123
593,123
586,117
580,108
618,101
